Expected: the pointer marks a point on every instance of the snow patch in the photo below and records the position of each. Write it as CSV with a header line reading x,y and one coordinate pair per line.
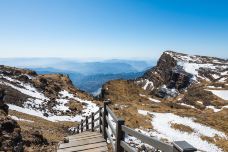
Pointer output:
x,y
190,106
37,113
154,100
161,123
20,119
220,93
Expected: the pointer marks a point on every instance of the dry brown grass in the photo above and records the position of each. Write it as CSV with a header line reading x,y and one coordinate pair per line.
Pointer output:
x,y
122,92
220,142
53,131
75,106
182,127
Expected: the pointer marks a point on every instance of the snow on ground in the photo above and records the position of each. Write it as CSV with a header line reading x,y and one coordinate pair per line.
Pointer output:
x,y
37,99
213,87
200,102
190,106
215,76
27,90
148,84
151,99
154,100
65,96
37,113
193,68
216,109
161,123
223,79
220,93
213,108
20,119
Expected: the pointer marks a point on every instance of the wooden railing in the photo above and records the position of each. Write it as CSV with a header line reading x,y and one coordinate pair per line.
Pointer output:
x,y
104,120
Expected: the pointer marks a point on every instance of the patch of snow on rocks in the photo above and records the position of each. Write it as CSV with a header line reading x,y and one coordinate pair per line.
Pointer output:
x,y
213,108
213,87
200,102
154,100
193,68
37,113
215,76
220,93
148,84
20,119
25,88
222,79
190,106
161,123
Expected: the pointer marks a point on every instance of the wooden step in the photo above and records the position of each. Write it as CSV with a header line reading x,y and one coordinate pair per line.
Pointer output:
x,y
84,142
81,142
88,137
102,147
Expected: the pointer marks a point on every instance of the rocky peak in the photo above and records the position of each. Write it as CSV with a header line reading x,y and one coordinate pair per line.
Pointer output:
x,y
177,71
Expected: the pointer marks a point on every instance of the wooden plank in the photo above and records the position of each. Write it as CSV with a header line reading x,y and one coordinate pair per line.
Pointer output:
x,y
86,132
112,114
81,142
111,126
77,137
83,138
83,147
83,135
99,149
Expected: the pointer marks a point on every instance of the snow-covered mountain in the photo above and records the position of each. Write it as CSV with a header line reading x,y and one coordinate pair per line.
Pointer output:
x,y
178,71
51,97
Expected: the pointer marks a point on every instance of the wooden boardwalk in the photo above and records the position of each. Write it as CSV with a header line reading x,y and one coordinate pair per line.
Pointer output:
x,y
84,142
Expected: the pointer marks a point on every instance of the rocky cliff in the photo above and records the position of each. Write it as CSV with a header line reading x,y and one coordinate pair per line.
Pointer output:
x,y
175,72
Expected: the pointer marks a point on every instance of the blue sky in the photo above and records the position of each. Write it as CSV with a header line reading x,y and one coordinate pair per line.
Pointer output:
x,y
112,28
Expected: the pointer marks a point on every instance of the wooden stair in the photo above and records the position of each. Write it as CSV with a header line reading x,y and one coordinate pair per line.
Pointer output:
x,y
84,142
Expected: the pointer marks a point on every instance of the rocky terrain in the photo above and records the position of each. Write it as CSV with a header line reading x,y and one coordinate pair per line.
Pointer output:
x,y
13,138
41,109
179,89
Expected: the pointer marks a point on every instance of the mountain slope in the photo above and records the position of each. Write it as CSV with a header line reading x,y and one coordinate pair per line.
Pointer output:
x,y
178,71
44,106
52,97
179,89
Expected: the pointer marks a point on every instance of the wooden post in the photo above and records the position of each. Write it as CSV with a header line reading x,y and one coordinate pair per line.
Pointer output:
x,y
81,125
87,126
100,123
105,124
78,129
183,146
92,122
119,135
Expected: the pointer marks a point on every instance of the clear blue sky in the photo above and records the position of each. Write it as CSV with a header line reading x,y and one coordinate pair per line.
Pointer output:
x,y
112,28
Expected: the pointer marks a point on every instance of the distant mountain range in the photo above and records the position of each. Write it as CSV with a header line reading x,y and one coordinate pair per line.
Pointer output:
x,y
88,76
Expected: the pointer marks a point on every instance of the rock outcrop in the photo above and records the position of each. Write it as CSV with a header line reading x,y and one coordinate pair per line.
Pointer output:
x,y
177,71
10,131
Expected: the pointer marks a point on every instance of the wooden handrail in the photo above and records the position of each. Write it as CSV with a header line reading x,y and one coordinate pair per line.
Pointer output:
x,y
111,126
111,114
119,131
149,140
